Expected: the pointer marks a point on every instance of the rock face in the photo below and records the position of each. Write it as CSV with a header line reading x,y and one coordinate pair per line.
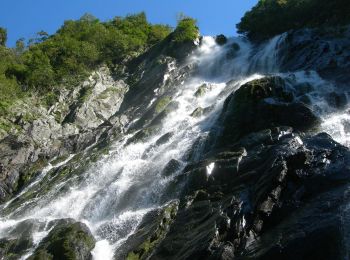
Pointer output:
x,y
264,103
76,121
265,193
149,234
279,198
325,50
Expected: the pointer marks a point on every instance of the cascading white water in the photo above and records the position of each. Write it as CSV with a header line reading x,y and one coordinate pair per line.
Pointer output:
x,y
114,194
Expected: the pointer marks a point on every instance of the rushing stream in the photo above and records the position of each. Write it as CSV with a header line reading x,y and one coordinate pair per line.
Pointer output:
x,y
116,192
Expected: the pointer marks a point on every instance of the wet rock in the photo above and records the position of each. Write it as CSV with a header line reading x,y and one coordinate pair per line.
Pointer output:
x,y
303,88
321,49
261,104
19,240
164,138
337,100
221,39
152,230
14,248
67,240
172,167
143,134
202,89
198,112
265,202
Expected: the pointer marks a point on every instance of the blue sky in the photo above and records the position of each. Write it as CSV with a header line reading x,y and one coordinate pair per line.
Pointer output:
x,y
23,18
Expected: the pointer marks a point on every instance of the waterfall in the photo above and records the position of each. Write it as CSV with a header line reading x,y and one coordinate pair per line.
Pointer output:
x,y
113,195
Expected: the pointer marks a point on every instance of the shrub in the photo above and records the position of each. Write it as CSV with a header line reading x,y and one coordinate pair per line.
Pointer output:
x,y
186,30
80,46
3,36
271,17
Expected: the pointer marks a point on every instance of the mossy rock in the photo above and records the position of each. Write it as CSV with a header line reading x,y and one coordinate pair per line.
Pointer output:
x,y
108,92
31,172
151,232
202,89
68,240
198,112
12,249
143,134
262,104
59,159
162,103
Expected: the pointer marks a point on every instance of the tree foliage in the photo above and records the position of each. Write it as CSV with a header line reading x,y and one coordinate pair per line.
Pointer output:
x,y
80,46
69,55
271,17
3,36
186,30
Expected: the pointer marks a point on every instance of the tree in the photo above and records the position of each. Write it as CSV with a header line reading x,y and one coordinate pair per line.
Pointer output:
x,y
3,36
186,30
20,46
271,17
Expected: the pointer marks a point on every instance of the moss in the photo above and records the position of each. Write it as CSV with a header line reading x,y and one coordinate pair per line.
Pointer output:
x,y
41,255
51,98
201,90
162,103
106,93
29,117
67,241
14,248
144,134
164,220
198,112
85,93
59,159
5,126
32,171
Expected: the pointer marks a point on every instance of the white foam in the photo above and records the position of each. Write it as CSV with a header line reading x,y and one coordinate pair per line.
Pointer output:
x,y
210,168
102,251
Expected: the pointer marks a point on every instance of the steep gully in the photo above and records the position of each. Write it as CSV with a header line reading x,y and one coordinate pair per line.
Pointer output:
x,y
141,173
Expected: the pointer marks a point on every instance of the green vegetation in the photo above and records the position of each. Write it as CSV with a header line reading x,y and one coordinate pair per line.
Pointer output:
x,y
153,236
62,60
186,30
80,46
9,89
271,17
66,241
162,103
3,36
69,56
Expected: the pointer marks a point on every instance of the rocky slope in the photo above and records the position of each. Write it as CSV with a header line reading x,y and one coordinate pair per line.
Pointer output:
x,y
69,126
257,180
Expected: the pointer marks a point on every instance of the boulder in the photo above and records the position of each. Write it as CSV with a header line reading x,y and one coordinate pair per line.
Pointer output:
x,y
221,39
261,104
198,112
202,89
67,240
